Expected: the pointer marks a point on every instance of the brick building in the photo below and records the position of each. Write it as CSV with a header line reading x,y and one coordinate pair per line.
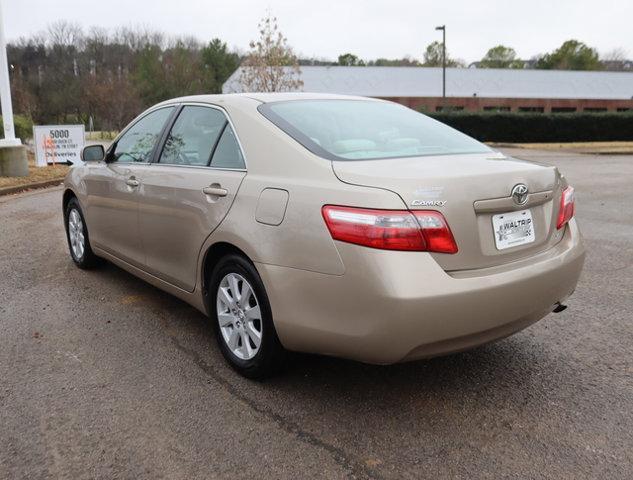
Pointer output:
x,y
472,89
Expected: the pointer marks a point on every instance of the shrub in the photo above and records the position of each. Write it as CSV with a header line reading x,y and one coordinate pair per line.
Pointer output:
x,y
539,127
22,125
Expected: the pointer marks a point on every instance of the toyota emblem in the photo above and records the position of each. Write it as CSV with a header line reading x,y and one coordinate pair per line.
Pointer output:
x,y
520,194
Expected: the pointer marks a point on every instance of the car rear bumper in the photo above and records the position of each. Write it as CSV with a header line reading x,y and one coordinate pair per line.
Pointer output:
x,y
396,306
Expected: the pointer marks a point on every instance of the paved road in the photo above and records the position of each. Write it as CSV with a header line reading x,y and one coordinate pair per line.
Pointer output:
x,y
103,376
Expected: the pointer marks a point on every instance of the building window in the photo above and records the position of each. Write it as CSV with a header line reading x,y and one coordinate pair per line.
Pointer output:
x,y
532,109
449,108
496,109
624,109
563,109
594,109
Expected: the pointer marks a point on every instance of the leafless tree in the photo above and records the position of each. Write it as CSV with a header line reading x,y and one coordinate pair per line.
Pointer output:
x,y
270,65
66,34
98,35
616,60
139,37
615,55
188,42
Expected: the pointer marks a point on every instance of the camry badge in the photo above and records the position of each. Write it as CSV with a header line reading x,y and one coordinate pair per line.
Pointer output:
x,y
428,203
520,194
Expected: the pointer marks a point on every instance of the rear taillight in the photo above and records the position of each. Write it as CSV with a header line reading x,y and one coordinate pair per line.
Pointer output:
x,y
390,229
567,206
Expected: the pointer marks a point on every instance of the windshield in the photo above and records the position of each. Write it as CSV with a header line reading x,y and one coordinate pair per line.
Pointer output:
x,y
366,130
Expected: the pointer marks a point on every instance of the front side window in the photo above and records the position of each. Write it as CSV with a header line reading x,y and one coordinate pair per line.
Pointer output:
x,y
137,144
194,136
366,130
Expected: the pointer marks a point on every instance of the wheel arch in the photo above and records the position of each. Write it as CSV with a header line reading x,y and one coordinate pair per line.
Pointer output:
x,y
211,257
68,195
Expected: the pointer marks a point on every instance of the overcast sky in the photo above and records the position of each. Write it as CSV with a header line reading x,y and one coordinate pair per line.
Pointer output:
x,y
368,28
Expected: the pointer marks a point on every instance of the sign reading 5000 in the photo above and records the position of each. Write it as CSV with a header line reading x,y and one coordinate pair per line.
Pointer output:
x,y
58,143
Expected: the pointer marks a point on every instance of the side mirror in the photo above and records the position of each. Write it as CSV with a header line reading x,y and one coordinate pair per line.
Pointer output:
x,y
93,153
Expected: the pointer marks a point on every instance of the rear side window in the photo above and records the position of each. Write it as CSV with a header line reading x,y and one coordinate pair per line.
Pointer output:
x,y
227,153
366,130
137,144
193,136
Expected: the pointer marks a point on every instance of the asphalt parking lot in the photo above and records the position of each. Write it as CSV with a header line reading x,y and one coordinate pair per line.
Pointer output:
x,y
104,376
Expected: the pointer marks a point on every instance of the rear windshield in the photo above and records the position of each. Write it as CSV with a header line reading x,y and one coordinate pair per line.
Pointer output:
x,y
366,130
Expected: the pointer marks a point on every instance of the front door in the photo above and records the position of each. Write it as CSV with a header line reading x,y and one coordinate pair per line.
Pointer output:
x,y
187,193
112,188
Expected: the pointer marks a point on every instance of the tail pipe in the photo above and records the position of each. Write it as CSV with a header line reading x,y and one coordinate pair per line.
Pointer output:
x,y
559,307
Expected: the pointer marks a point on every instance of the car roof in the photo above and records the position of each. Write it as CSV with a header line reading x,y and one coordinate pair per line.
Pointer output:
x,y
263,97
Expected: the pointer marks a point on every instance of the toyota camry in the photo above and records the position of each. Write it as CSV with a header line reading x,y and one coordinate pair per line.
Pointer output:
x,y
328,224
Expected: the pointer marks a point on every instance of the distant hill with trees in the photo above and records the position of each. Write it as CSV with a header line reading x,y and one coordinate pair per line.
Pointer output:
x,y
68,75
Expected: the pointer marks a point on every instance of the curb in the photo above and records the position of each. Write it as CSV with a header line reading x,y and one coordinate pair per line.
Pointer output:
x,y
582,151
606,152
30,186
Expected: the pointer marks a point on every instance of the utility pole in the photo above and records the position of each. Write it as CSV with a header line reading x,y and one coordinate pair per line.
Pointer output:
x,y
443,28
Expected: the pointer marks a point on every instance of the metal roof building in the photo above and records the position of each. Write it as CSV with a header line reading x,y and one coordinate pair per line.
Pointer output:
x,y
473,89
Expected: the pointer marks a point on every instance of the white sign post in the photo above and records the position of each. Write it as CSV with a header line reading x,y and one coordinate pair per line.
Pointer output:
x,y
58,143
5,93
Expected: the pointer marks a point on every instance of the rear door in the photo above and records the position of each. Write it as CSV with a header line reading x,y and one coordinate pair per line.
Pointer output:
x,y
187,191
112,188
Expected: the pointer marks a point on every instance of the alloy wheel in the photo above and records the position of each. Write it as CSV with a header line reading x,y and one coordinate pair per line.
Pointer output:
x,y
76,234
239,316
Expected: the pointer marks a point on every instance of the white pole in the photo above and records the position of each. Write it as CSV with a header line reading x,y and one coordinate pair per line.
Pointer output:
x,y
5,91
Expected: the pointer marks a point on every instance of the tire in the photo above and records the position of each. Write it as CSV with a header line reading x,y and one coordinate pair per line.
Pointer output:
x,y
77,236
243,321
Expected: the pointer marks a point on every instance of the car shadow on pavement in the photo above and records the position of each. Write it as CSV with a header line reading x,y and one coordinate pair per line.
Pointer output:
x,y
521,365
499,372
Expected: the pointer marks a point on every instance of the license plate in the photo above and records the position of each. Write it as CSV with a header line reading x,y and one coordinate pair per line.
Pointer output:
x,y
513,229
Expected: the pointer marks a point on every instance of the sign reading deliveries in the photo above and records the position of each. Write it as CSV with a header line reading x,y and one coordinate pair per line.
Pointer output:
x,y
58,143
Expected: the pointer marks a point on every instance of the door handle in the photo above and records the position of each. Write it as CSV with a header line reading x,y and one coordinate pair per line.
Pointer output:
x,y
216,190
132,182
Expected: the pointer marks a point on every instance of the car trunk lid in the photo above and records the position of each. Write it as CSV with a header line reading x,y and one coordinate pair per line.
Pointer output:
x,y
469,190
